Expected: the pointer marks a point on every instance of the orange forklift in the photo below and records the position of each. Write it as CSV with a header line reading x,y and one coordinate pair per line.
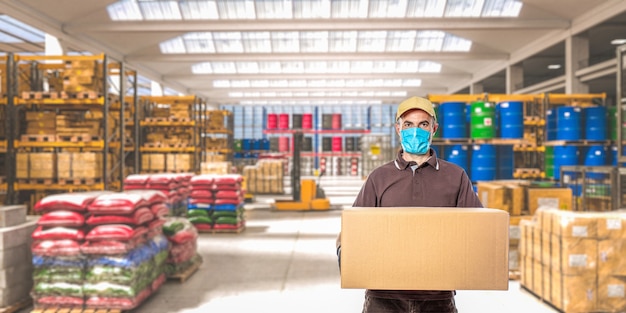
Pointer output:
x,y
307,194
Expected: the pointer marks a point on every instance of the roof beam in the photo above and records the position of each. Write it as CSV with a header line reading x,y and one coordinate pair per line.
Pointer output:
x,y
319,24
232,57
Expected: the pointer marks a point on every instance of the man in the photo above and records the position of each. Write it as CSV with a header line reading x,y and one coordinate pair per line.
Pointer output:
x,y
417,178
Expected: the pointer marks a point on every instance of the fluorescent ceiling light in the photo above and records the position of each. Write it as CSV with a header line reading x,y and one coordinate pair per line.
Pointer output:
x,y
618,42
301,67
554,66
133,10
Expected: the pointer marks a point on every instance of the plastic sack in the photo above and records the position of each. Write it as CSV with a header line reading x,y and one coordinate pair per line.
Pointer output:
x,y
117,203
58,301
179,230
159,210
111,247
230,187
228,179
78,201
203,226
150,195
64,247
58,289
229,226
115,232
195,220
62,218
201,201
226,207
117,303
51,274
203,179
140,216
197,212
180,253
201,193
228,194
59,261
228,201
57,233
137,179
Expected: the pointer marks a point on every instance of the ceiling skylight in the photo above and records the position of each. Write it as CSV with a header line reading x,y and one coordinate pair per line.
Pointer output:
x,y
317,94
307,102
132,10
315,67
14,31
316,83
318,41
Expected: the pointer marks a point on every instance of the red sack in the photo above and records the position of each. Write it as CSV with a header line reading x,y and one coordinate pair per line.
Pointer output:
x,y
228,179
117,203
231,187
78,201
62,218
201,201
56,301
118,303
64,247
229,226
137,179
140,216
201,193
203,179
228,201
159,210
57,233
151,196
203,226
110,247
115,232
227,194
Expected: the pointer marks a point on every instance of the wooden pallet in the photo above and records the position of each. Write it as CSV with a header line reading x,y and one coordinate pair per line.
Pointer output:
x,y
17,306
38,138
36,181
80,95
71,310
38,95
77,138
78,181
527,173
184,275
223,231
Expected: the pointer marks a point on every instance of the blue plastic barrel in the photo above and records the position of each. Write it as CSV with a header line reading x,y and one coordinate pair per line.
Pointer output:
x,y
596,155
505,162
568,123
550,125
595,123
256,144
246,144
564,155
511,119
453,120
458,154
483,167
265,144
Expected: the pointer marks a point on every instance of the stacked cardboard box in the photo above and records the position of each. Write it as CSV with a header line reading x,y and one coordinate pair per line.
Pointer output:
x,y
216,120
39,165
574,260
41,123
180,111
266,177
179,162
82,76
79,165
216,168
15,256
153,162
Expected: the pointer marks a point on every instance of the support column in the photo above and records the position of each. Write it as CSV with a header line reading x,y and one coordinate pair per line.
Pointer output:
x,y
476,88
514,78
576,57
156,89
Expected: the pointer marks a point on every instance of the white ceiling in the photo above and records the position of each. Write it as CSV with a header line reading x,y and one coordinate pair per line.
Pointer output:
x,y
533,40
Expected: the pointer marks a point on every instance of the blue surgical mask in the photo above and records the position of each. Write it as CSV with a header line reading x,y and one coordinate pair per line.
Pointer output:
x,y
415,140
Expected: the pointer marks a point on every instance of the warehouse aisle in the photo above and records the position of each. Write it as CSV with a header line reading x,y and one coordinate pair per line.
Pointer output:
x,y
285,262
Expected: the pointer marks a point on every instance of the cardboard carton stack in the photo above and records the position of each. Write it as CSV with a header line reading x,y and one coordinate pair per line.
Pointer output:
x,y
79,165
40,165
15,257
574,260
266,177
82,76
41,123
180,111
179,162
224,167
152,162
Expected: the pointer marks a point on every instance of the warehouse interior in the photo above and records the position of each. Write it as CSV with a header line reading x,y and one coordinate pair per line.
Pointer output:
x,y
257,122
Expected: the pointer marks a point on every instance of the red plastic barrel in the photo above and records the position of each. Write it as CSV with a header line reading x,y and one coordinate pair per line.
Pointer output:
x,y
272,121
307,121
283,121
337,144
336,124
283,144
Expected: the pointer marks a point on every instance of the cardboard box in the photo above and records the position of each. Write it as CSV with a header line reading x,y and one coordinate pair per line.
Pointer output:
x,y
574,224
611,260
502,195
576,293
560,198
611,225
578,256
424,248
611,294
537,278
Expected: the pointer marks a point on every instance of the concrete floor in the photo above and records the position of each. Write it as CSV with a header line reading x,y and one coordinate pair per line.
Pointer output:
x,y
285,262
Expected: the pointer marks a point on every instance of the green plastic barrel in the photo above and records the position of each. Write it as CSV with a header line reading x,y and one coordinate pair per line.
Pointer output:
x,y
482,120
237,145
548,160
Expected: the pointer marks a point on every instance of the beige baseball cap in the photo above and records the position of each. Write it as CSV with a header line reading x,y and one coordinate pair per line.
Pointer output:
x,y
416,103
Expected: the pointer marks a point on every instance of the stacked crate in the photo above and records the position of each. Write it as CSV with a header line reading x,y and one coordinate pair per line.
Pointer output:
x,y
82,76
36,166
266,177
41,123
79,166
180,111
574,260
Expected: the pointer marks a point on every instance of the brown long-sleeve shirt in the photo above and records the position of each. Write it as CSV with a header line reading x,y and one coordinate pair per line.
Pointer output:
x,y
435,183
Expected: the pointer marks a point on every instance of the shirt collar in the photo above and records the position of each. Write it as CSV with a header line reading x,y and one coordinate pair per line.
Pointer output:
x,y
402,164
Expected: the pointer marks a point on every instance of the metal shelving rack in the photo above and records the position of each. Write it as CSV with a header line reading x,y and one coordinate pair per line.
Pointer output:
x,y
148,122
38,96
594,188
621,119
220,129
